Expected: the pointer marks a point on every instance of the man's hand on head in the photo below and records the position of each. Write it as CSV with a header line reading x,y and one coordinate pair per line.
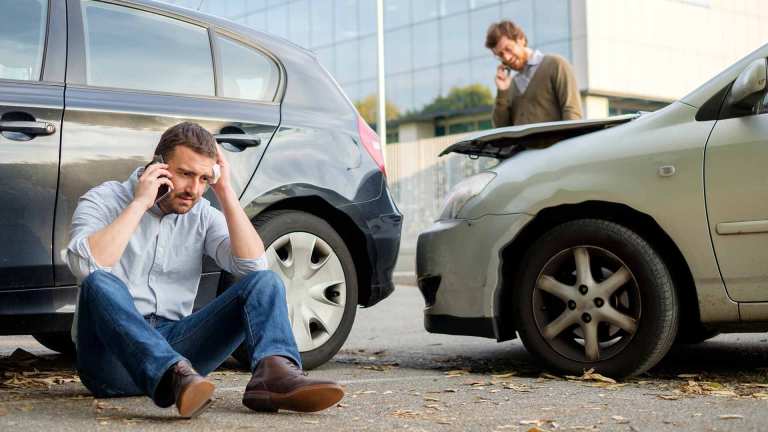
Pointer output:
x,y
223,185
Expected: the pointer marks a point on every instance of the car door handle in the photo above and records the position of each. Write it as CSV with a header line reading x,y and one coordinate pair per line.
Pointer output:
x,y
240,141
28,127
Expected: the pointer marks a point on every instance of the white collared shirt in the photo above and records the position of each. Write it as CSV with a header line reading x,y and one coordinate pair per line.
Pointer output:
x,y
162,263
523,78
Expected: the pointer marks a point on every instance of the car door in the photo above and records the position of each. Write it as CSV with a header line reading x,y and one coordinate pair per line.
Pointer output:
x,y
736,184
31,106
133,73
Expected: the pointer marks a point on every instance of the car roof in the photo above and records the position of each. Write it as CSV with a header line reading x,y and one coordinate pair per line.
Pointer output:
x,y
248,32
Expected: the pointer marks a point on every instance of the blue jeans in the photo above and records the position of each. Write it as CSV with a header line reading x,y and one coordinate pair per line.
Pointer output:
x,y
122,353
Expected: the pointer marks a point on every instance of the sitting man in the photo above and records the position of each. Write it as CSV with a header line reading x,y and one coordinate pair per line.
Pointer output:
x,y
138,258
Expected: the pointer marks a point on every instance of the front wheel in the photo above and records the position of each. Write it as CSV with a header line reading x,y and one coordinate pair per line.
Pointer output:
x,y
594,294
320,279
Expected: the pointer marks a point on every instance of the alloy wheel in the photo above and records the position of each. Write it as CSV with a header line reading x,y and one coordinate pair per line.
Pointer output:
x,y
586,304
315,286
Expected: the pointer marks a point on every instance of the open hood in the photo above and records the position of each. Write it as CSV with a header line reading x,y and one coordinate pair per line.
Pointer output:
x,y
503,143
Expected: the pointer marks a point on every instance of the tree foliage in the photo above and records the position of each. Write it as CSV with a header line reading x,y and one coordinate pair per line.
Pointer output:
x,y
368,108
460,99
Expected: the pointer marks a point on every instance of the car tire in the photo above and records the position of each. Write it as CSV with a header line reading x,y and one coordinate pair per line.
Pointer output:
x,y
61,342
617,313
280,231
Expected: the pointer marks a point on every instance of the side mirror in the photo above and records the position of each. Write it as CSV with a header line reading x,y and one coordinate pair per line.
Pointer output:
x,y
750,84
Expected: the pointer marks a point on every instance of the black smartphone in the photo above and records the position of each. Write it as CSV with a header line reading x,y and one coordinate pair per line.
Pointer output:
x,y
164,190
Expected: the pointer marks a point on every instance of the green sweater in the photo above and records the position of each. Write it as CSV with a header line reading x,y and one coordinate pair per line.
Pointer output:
x,y
551,95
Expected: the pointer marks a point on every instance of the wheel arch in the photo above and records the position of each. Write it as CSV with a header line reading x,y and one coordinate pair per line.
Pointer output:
x,y
644,225
344,225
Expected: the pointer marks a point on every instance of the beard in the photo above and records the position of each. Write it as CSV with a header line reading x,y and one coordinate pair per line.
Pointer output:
x,y
178,203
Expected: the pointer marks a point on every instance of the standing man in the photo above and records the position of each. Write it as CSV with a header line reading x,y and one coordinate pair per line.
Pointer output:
x,y
543,87
137,252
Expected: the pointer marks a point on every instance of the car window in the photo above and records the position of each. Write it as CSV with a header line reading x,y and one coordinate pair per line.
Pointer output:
x,y
22,36
763,107
133,49
246,73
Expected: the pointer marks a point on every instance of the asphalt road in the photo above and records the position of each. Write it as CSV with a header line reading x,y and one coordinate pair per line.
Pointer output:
x,y
398,377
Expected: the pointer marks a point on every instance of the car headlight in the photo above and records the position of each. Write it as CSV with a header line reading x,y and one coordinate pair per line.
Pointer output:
x,y
463,192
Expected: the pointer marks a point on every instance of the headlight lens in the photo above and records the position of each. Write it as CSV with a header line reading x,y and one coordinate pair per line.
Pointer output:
x,y
463,192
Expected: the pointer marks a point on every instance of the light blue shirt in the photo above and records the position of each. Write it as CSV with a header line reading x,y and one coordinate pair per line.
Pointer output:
x,y
523,78
162,263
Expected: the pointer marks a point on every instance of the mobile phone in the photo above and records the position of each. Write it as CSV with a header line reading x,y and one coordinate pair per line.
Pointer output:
x,y
508,70
164,190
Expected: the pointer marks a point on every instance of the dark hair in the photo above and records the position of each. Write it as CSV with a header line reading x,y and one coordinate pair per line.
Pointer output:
x,y
504,28
187,134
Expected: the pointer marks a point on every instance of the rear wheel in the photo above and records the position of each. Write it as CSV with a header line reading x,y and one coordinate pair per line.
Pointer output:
x,y
594,294
319,274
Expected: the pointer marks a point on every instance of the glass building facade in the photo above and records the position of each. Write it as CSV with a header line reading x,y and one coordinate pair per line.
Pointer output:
x,y
431,46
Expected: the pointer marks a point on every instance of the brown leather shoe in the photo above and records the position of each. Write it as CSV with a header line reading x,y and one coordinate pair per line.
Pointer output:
x,y
192,391
277,383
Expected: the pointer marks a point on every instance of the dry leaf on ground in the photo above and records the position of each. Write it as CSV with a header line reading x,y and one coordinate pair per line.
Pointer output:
x,y
591,375
407,414
668,397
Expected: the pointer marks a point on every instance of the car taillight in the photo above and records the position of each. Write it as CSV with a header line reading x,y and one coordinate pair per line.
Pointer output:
x,y
371,143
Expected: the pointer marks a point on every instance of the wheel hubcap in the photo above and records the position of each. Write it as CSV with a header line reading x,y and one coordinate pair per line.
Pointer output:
x,y
315,286
586,304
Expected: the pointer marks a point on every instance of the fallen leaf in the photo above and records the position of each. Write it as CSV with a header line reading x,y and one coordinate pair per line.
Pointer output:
x,y
591,375
537,423
668,397
545,375
620,419
406,413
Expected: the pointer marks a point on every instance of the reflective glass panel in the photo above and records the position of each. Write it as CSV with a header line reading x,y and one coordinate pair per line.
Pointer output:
x,y
246,72
133,49
22,36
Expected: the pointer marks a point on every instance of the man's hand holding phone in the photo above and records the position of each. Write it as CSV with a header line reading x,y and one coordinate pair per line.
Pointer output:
x,y
503,77
154,184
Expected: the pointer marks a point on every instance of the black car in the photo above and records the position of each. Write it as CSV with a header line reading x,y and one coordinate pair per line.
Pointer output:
x,y
86,89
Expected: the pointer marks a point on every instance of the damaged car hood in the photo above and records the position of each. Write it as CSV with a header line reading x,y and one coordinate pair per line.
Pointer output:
x,y
503,143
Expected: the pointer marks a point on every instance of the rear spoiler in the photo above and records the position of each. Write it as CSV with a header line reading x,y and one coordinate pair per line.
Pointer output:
x,y
503,143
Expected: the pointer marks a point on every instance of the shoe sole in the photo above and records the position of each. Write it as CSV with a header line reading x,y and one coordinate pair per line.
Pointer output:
x,y
305,399
195,398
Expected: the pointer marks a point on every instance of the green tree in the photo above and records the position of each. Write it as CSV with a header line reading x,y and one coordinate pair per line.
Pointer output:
x,y
460,98
368,108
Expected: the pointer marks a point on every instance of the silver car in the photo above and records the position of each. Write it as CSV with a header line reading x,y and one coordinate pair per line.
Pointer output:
x,y
603,242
